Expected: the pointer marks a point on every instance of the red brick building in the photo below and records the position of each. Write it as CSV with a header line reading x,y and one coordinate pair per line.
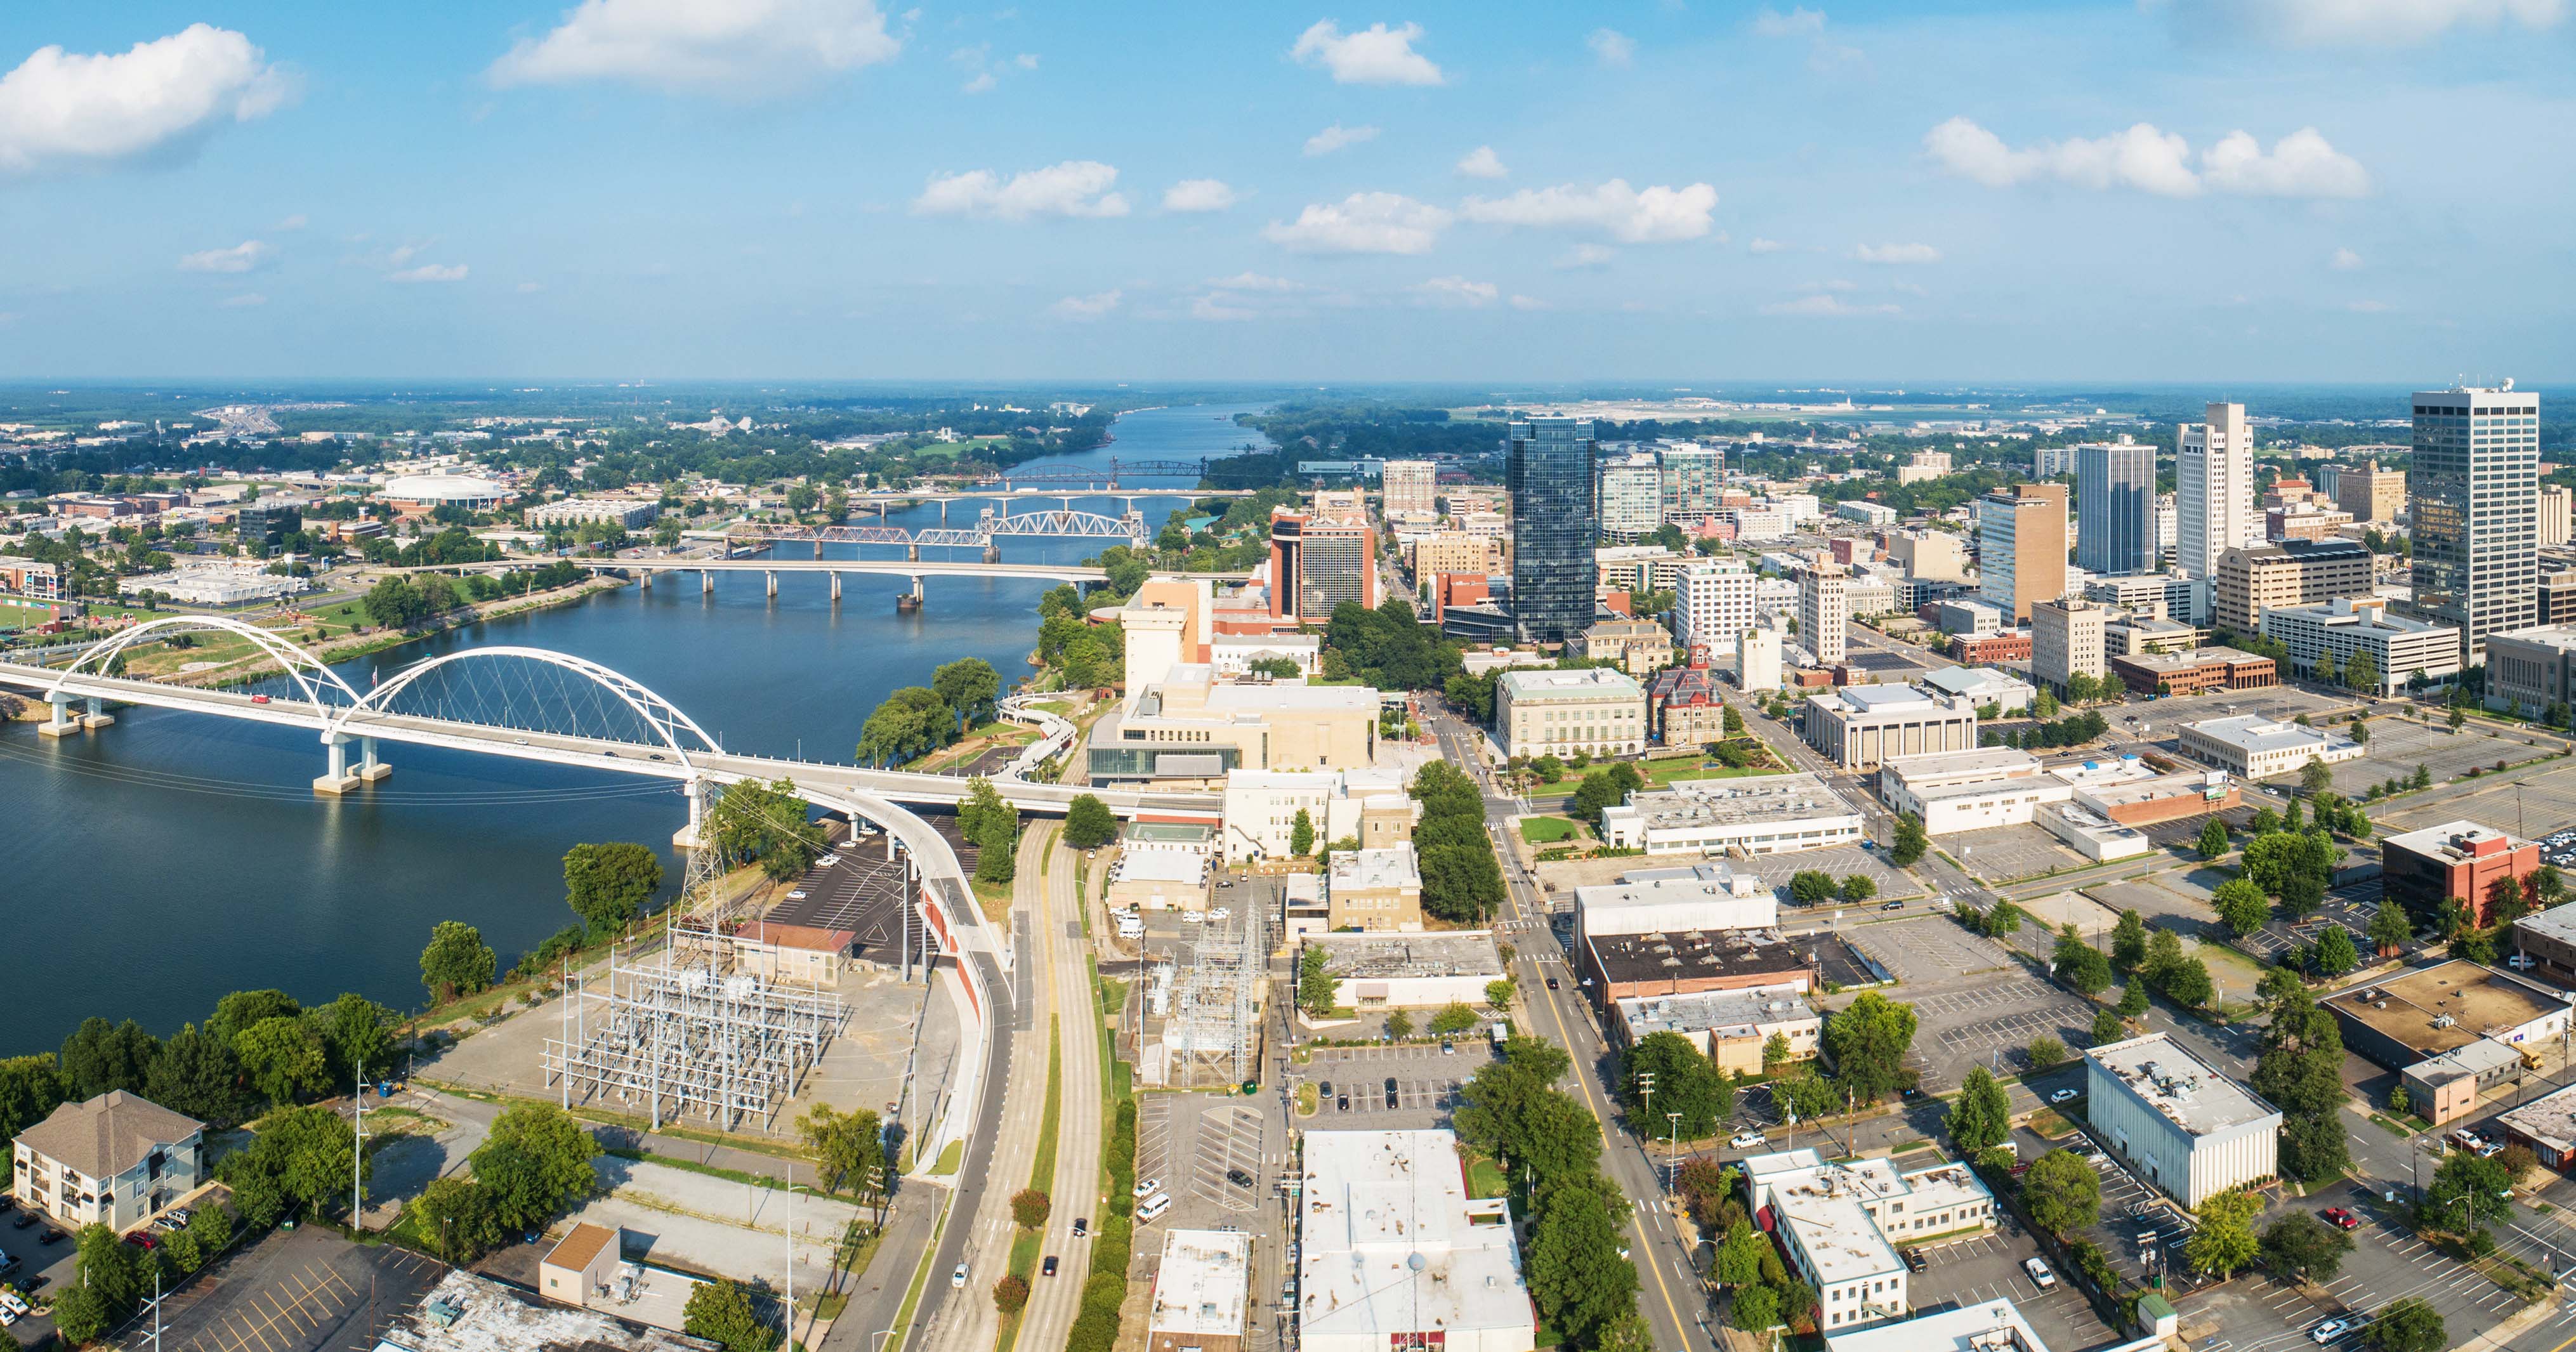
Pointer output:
x,y
1977,652
2192,672
2458,861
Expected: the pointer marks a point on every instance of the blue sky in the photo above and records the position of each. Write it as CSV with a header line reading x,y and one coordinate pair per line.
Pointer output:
x,y
2199,190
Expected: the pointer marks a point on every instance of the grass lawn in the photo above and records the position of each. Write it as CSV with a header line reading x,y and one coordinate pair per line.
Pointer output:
x,y
1550,830
949,1159
1656,775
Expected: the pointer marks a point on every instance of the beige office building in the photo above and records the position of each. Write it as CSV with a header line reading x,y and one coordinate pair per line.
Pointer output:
x,y
2371,493
1452,551
2067,637
1559,713
1638,646
1868,724
1929,555
2554,510
1410,486
1824,612
2021,546
2292,573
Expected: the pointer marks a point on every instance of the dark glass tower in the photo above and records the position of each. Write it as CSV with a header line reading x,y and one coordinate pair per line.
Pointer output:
x,y
1548,467
2115,508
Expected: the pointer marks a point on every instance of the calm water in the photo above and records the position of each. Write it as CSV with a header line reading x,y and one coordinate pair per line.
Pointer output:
x,y
150,868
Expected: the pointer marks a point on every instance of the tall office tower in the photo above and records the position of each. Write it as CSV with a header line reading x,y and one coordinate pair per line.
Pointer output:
x,y
2067,639
2556,516
1824,612
2370,493
1547,465
1318,561
2047,462
1630,491
1757,659
1712,603
2164,528
2213,490
1693,478
2115,507
2475,486
1411,486
2021,546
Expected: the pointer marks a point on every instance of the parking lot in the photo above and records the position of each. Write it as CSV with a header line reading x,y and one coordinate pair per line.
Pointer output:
x,y
1989,1267
301,1290
2350,907
2398,745
1841,861
1427,1084
2530,804
2003,853
2280,703
1974,1002
1201,1148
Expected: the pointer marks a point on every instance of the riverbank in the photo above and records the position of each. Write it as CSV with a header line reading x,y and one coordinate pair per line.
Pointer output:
x,y
255,665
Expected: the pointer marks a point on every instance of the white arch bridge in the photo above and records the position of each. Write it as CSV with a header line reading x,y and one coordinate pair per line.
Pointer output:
x,y
529,704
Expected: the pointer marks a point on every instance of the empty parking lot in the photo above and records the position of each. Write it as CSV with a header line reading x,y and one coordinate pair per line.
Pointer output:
x,y
2003,853
297,1291
2398,745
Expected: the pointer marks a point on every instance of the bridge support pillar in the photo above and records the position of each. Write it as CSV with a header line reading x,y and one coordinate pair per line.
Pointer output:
x,y
818,547
62,724
909,602
912,553
339,780
692,835
836,588
645,576
97,717
773,583
992,552
706,581
369,768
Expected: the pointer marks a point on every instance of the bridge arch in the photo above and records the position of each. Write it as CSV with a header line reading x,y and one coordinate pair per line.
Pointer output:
x,y
674,729
310,674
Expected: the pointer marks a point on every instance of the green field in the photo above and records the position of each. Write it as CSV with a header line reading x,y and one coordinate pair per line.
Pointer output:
x,y
23,614
1549,830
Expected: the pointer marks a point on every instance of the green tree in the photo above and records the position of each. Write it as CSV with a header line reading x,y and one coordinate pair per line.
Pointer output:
x,y
609,885
850,1146
2062,1192
2107,1027
2213,839
2363,675
1498,995
1775,1052
195,1074
80,1316
284,1059
721,1311
2133,999
1755,1309
1911,841
2083,968
1576,1276
1685,1081
908,724
2225,1240
1029,1208
1088,823
2128,943
456,963
2046,1051
1810,887
1981,1117
2315,777
994,825
1315,981
99,1057
2300,1247
112,1268
766,823
2409,1324
2335,952
536,1161
1301,834
969,687
1867,1043
2242,905
1856,887
2468,1191
299,1161
241,1009
1399,1024
1453,1018
458,1219
2188,984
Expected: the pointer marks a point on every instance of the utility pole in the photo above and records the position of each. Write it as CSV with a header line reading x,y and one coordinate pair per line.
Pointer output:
x,y
357,1163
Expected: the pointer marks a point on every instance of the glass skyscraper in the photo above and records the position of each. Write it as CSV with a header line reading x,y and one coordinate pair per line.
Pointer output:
x,y
2474,483
2115,508
1547,466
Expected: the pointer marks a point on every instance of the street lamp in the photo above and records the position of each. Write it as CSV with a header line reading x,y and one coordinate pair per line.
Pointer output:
x,y
1672,1142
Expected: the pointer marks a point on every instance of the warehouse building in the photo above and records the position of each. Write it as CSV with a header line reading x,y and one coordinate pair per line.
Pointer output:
x,y
1712,896
1731,1027
1689,962
2258,748
1765,814
2547,1125
1970,790
1393,1253
2454,1030
1410,971
2181,1125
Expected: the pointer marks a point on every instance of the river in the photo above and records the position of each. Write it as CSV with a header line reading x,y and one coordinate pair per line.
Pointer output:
x,y
154,866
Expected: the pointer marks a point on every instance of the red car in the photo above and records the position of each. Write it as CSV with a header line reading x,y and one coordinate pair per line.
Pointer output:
x,y
141,1240
2342,1217
259,699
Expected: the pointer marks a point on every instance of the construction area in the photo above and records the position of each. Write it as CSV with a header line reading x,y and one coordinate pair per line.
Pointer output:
x,y
1201,993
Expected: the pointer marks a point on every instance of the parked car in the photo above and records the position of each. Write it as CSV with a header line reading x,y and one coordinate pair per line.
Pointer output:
x,y
1893,906
1914,1261
51,1236
2040,1276
2064,1095
2342,1217
1148,1187
1391,1099
2328,1331
1748,1140
1239,1177
1342,1104
142,1239
25,1219
1448,1048
1154,1206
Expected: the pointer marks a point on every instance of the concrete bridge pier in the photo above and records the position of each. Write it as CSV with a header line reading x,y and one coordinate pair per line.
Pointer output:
x,y
912,553
992,552
909,602
706,581
693,835
836,587
773,585
62,724
97,717
341,778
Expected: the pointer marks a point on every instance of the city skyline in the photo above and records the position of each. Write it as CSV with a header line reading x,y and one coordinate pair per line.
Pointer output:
x,y
823,190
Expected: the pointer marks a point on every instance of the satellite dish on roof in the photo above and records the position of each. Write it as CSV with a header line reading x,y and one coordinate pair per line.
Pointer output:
x,y
1416,1262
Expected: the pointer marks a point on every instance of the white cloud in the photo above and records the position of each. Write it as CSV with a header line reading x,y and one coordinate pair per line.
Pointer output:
x,y
1216,308
1457,291
1897,253
1588,256
2345,260
242,257
1093,306
1800,22
1763,246
1026,61
747,48
1520,302
1199,194
157,99
294,222
1825,306
1374,55
1482,162
244,301
1077,188
429,272
2300,164
1626,214
531,288
2352,23
1254,281
1337,136
1364,222
982,83
402,253
2367,307
1611,47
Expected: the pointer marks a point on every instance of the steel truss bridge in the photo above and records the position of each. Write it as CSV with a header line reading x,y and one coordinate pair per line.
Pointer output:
x,y
1055,523
1056,475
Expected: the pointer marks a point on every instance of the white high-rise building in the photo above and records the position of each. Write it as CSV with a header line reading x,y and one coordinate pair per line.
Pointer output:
x,y
1757,659
2556,517
2474,490
1712,603
1824,612
1630,494
2165,527
1410,486
2213,495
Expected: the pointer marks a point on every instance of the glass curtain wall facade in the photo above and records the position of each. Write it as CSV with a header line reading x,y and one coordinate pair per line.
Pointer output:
x,y
1548,468
2115,508
2475,485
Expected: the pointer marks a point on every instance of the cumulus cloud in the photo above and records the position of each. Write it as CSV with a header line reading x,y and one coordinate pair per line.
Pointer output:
x,y
1588,256
2345,260
157,99
1075,188
1253,281
429,272
1611,47
741,47
1825,305
1364,222
1219,308
1374,55
1897,253
1625,213
2301,164
242,257
2352,23
1800,22
1093,306
1337,136
1457,291
1482,162
294,222
1199,194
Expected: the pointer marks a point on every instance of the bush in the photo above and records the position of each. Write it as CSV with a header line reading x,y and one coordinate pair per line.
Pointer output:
x,y
1029,1208
1011,1294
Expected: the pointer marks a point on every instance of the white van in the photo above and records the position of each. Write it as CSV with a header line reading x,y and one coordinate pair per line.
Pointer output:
x,y
2040,1276
1154,1206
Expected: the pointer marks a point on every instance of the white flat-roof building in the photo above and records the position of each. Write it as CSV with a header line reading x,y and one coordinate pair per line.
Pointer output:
x,y
629,513
215,586
1764,814
2347,627
1982,686
1712,603
1984,1326
2255,747
1202,1290
1731,1027
2179,1124
1410,971
1841,1224
1394,1253
1713,896
1866,724
1970,790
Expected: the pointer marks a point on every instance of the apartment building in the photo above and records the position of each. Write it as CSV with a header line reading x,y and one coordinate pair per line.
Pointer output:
x,y
116,1160
2066,640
